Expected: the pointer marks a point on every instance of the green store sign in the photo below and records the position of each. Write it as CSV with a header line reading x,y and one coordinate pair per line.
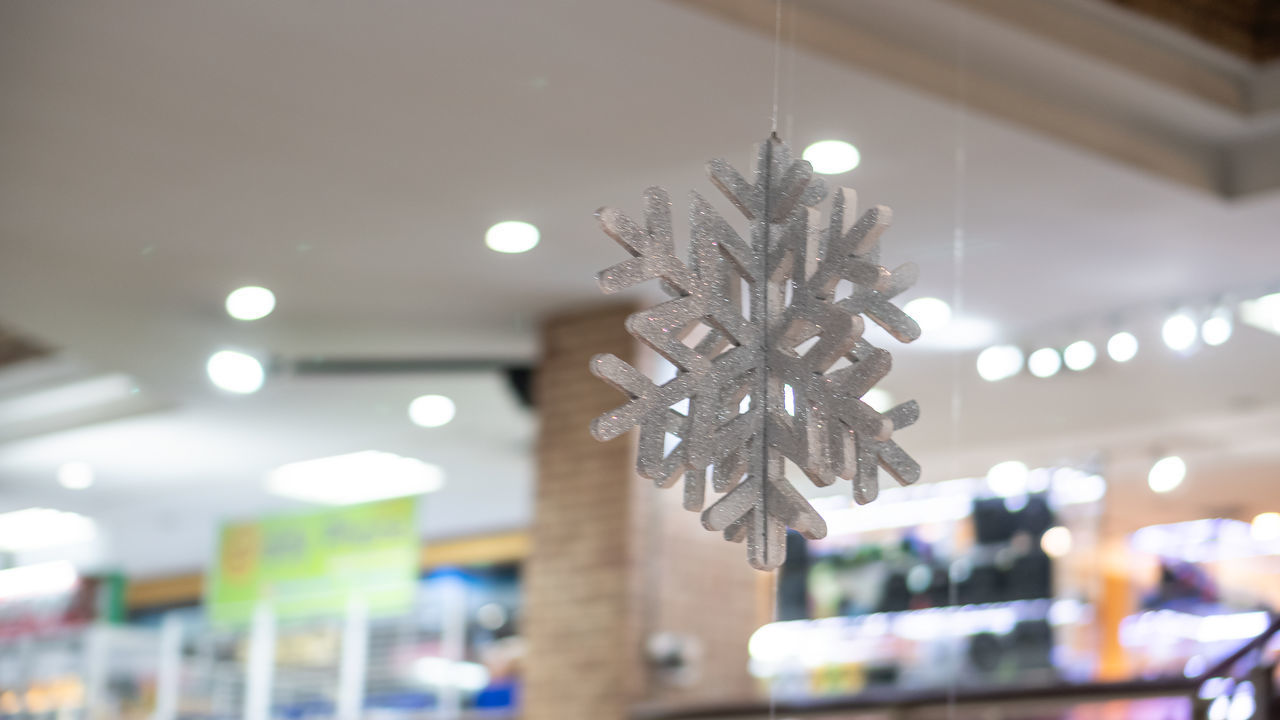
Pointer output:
x,y
313,564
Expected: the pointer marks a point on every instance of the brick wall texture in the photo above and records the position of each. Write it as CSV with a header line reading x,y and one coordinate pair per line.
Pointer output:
x,y
615,560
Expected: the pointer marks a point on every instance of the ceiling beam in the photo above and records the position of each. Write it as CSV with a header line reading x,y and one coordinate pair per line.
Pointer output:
x,y
1176,72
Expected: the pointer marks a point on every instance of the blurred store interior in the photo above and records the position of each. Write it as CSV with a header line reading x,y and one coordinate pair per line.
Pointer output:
x,y
297,302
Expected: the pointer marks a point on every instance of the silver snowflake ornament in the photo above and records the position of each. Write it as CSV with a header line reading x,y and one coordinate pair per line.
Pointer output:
x,y
766,334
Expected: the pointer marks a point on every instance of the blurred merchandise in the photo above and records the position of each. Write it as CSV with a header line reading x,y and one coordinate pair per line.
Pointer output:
x,y
968,592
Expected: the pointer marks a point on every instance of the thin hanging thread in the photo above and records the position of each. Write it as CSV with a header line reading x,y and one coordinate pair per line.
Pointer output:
x,y
763,389
957,300
789,131
777,61
764,278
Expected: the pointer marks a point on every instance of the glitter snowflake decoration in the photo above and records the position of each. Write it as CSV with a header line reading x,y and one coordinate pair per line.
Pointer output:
x,y
766,335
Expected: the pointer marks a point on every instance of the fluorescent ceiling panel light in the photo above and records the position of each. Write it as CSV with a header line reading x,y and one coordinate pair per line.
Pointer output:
x,y
70,397
36,528
43,579
75,475
355,478
1262,313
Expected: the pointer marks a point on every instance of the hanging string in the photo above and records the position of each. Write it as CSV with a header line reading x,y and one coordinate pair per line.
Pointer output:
x,y
957,303
789,130
764,400
777,60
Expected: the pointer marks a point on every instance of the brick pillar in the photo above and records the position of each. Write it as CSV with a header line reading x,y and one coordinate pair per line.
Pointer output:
x,y
615,560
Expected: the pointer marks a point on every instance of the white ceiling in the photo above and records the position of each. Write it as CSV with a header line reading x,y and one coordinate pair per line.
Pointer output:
x,y
154,156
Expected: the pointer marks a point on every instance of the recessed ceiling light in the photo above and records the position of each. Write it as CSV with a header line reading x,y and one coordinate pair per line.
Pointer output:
x,y
999,362
512,236
1045,362
431,410
70,399
1122,347
36,528
929,313
1008,478
75,475
1217,328
355,478
879,399
250,303
1179,332
1080,355
1166,474
235,372
832,157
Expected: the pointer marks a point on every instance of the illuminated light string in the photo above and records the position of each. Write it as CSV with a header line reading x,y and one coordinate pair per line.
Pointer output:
x,y
1183,332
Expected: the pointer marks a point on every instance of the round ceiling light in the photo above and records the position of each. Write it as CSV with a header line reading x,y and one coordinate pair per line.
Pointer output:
x,y
929,313
1122,347
1179,332
1080,355
431,410
1045,362
999,362
1008,478
832,157
250,303
1166,474
512,236
1217,328
235,372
